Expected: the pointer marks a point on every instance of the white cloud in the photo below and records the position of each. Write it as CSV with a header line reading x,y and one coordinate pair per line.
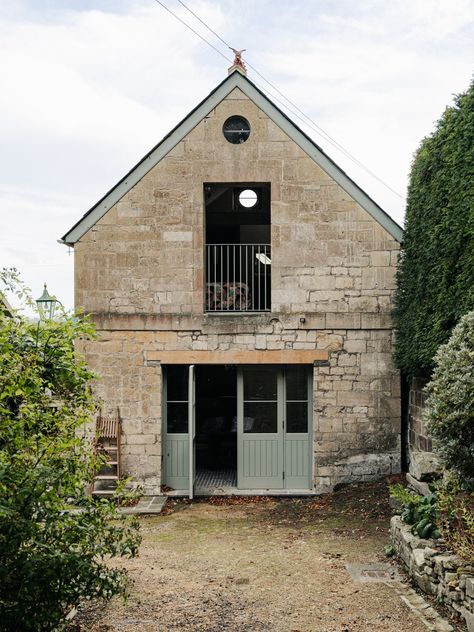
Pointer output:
x,y
90,86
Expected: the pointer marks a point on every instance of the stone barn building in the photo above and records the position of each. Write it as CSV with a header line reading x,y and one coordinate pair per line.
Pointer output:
x,y
241,285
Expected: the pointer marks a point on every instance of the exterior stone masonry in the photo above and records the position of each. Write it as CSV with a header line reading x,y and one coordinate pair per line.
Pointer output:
x,y
418,434
139,271
435,571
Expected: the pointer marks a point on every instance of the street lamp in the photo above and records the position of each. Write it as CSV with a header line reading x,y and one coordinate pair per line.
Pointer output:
x,y
46,304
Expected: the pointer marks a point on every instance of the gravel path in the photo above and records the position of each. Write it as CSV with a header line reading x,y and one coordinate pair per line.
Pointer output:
x,y
260,565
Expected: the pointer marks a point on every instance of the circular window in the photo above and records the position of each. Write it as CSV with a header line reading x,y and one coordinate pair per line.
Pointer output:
x,y
248,198
236,130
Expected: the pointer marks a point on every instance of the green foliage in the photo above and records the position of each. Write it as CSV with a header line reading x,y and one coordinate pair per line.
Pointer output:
x,y
389,550
50,556
436,269
456,507
449,409
419,511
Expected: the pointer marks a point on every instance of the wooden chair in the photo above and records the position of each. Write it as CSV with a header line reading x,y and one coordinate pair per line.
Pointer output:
x,y
107,441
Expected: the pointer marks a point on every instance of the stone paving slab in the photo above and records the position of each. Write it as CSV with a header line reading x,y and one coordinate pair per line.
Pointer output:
x,y
373,572
146,506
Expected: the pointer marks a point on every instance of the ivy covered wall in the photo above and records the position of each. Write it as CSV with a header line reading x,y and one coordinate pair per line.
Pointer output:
x,y
436,270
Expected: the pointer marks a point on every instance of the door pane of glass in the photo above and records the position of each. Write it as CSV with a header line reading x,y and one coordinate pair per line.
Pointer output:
x,y
260,383
177,383
260,417
297,417
296,382
177,417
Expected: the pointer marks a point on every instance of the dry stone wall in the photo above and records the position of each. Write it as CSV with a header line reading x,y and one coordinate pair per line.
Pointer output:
x,y
437,573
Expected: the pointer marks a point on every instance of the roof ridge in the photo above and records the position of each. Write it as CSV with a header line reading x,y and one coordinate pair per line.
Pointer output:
x,y
219,93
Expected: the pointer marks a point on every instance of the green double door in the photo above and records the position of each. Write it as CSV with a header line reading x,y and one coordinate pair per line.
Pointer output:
x,y
273,425
274,434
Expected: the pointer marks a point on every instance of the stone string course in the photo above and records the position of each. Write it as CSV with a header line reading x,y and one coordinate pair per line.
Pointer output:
x,y
439,574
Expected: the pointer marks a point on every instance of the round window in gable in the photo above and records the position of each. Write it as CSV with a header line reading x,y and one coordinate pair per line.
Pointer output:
x,y
248,198
236,130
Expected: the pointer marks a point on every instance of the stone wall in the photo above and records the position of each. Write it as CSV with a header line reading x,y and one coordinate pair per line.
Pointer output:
x,y
139,271
356,416
423,464
418,434
145,255
437,573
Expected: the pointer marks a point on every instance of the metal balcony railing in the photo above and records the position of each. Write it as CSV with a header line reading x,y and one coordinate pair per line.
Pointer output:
x,y
238,277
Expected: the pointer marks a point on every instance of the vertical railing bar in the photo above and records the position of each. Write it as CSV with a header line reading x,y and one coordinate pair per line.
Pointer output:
x,y
255,263
253,276
265,279
221,280
228,264
247,306
215,273
233,269
259,267
240,277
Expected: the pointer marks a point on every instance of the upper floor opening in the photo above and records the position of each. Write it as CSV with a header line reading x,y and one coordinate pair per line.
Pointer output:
x,y
237,250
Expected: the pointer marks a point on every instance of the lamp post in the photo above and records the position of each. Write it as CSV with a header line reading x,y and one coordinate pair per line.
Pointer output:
x,y
46,304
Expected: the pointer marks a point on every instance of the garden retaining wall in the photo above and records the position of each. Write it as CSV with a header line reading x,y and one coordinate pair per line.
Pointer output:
x,y
437,573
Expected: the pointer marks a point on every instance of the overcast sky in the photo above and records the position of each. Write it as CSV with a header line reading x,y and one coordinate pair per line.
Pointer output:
x,y
89,86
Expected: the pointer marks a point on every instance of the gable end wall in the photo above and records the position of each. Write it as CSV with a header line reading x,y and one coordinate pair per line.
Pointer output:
x,y
139,270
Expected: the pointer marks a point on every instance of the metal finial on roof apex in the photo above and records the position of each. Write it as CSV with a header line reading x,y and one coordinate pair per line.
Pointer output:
x,y
239,63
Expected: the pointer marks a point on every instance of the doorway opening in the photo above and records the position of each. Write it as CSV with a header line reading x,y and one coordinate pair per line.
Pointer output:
x,y
230,429
216,428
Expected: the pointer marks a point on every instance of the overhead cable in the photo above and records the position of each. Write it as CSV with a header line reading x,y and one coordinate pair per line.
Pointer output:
x,y
298,113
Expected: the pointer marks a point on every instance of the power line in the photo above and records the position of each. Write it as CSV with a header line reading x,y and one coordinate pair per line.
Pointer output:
x,y
317,128
298,114
191,29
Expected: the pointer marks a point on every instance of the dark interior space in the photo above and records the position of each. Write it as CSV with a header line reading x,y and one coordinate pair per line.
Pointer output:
x,y
216,417
238,248
234,216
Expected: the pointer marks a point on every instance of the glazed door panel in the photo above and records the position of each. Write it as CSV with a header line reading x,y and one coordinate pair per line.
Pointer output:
x,y
177,406
298,386
259,428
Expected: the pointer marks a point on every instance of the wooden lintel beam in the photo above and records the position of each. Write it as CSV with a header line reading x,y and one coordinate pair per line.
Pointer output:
x,y
237,356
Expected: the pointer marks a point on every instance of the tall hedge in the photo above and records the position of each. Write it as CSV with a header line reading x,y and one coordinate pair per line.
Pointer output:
x,y
436,271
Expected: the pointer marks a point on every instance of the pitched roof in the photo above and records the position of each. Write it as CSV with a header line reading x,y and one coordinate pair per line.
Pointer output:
x,y
234,80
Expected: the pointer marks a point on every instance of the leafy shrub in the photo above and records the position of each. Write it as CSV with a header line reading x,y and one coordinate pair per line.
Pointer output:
x,y
456,508
419,511
50,557
436,268
450,405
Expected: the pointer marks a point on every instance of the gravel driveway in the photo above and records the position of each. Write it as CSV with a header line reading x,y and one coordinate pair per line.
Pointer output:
x,y
258,565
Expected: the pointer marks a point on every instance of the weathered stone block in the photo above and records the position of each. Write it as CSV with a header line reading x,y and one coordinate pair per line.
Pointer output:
x,y
353,398
468,618
424,466
343,321
470,587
